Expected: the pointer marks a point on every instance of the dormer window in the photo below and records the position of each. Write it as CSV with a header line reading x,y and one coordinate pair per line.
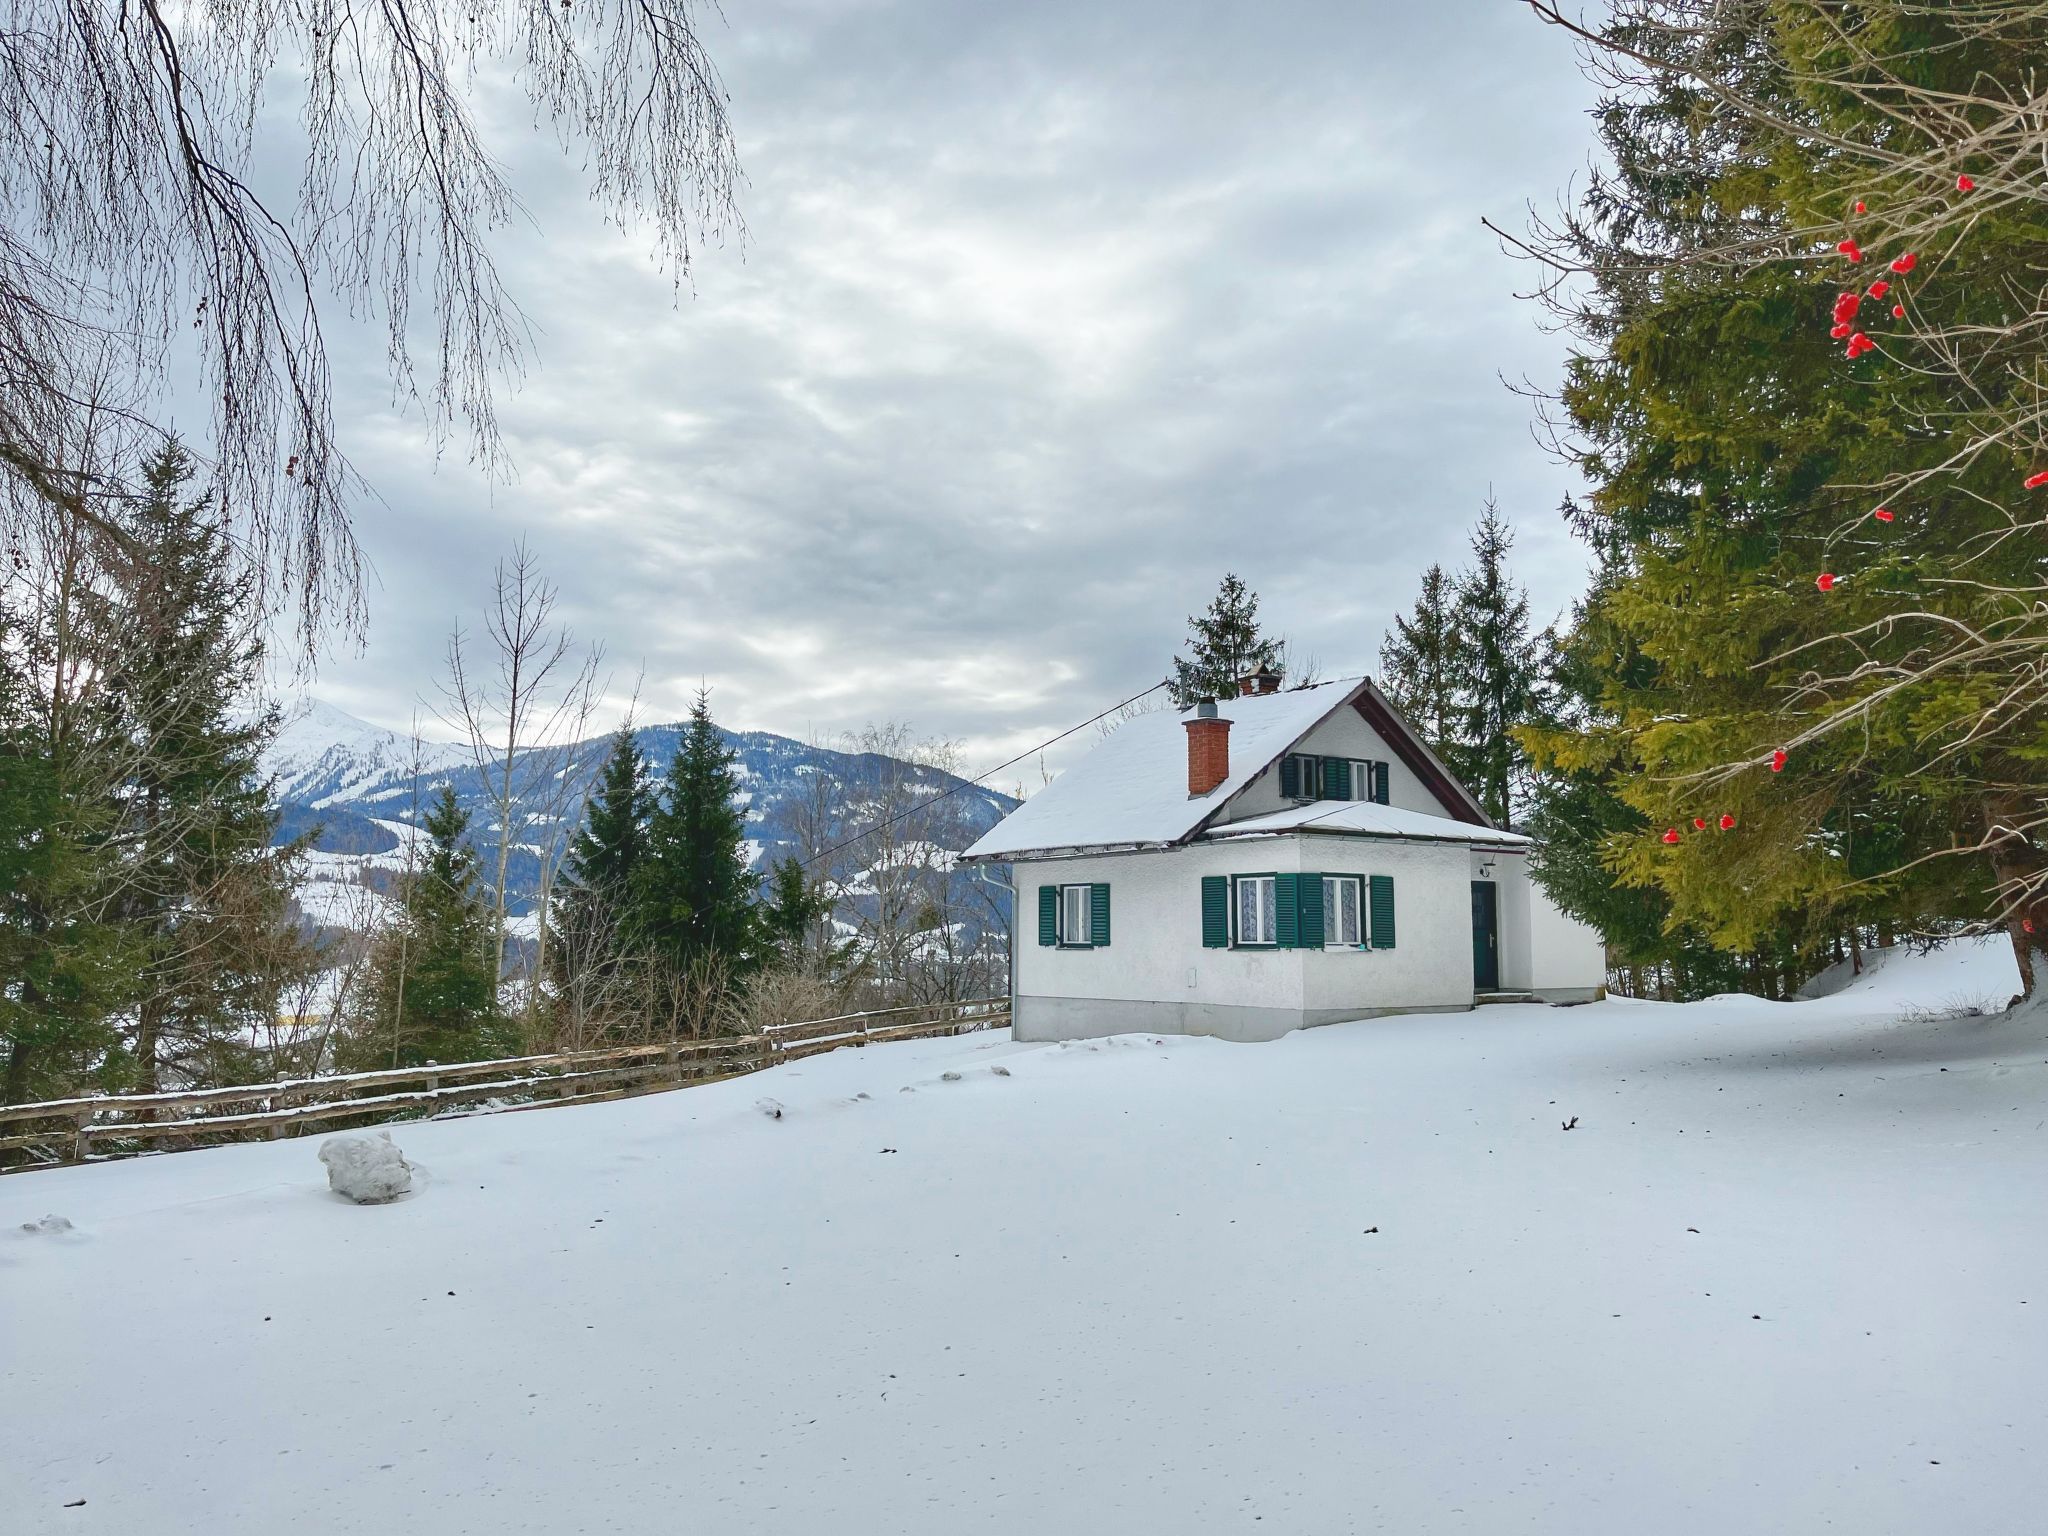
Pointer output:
x,y
1368,781
1305,776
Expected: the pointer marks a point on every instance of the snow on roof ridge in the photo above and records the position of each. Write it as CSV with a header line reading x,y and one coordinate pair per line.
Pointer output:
x,y
1131,790
1284,693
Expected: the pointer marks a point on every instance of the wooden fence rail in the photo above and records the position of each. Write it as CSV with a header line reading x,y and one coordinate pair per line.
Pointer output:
x,y
126,1125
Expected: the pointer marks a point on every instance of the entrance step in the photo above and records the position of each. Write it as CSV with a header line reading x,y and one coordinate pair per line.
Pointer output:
x,y
1504,997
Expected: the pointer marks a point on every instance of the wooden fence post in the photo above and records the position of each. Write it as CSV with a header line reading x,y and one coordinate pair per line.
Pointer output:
x,y
81,1140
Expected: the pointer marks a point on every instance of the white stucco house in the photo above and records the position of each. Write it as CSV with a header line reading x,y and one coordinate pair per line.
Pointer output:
x,y
1267,862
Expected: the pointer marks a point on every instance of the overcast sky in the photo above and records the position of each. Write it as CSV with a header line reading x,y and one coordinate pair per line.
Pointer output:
x,y
1049,315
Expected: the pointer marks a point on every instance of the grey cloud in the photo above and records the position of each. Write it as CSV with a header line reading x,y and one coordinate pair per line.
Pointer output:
x,y
1050,314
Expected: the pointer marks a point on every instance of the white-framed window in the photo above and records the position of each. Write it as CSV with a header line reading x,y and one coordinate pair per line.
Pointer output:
x,y
1366,774
1343,912
1257,918
1074,930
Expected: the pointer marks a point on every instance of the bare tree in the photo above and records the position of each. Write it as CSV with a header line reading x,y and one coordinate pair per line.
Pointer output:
x,y
679,1001
916,923
398,932
814,816
523,718
793,994
299,1041
134,243
594,996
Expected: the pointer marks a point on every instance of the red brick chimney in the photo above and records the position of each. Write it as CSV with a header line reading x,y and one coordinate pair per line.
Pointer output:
x,y
1208,749
1265,680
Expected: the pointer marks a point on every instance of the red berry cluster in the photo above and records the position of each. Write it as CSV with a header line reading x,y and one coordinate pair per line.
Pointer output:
x,y
1848,305
1699,824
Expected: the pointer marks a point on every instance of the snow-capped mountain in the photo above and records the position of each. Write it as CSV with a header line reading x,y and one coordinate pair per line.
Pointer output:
x,y
324,755
360,789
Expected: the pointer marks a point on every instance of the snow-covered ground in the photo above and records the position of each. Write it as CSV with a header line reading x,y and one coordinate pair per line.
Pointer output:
x,y
1788,1275
343,903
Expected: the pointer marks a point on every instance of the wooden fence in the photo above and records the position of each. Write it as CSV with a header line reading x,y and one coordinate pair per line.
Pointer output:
x,y
126,1125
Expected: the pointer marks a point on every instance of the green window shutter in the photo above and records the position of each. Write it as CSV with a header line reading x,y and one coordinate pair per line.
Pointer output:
x,y
1309,901
1287,911
1098,915
1048,914
1336,779
1379,783
1382,905
1215,912
1290,777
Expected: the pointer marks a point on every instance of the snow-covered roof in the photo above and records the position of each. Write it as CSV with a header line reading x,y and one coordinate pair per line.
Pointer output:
x,y
1131,791
1364,818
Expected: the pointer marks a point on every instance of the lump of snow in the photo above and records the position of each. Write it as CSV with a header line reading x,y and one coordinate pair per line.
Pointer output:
x,y
1000,1071
769,1107
49,1224
949,1077
366,1167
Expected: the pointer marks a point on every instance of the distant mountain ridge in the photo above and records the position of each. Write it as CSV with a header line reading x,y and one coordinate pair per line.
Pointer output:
x,y
354,787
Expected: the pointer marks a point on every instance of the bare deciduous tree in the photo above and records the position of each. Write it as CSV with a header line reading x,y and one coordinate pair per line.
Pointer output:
x,y
888,834
134,241
523,718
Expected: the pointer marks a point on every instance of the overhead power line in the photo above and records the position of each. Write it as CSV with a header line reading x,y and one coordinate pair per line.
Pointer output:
x,y
976,781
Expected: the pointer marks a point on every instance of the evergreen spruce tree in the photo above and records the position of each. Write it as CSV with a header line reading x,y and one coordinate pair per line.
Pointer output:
x,y
595,914
65,970
1578,813
696,894
1732,447
1498,666
791,906
1420,661
1224,644
432,991
204,895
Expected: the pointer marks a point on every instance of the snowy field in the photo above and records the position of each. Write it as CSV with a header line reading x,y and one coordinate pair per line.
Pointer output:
x,y
1788,1275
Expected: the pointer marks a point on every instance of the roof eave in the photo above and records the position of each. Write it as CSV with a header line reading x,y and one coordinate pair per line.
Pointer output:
x,y
1224,834
1069,851
1421,758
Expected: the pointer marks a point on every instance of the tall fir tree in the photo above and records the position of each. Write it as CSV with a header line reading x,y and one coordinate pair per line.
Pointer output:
x,y
696,895
1419,662
432,991
1577,812
205,895
595,915
68,966
66,970
1498,669
1224,644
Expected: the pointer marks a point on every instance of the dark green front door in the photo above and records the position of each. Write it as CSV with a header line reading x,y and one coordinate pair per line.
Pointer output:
x,y
1485,937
